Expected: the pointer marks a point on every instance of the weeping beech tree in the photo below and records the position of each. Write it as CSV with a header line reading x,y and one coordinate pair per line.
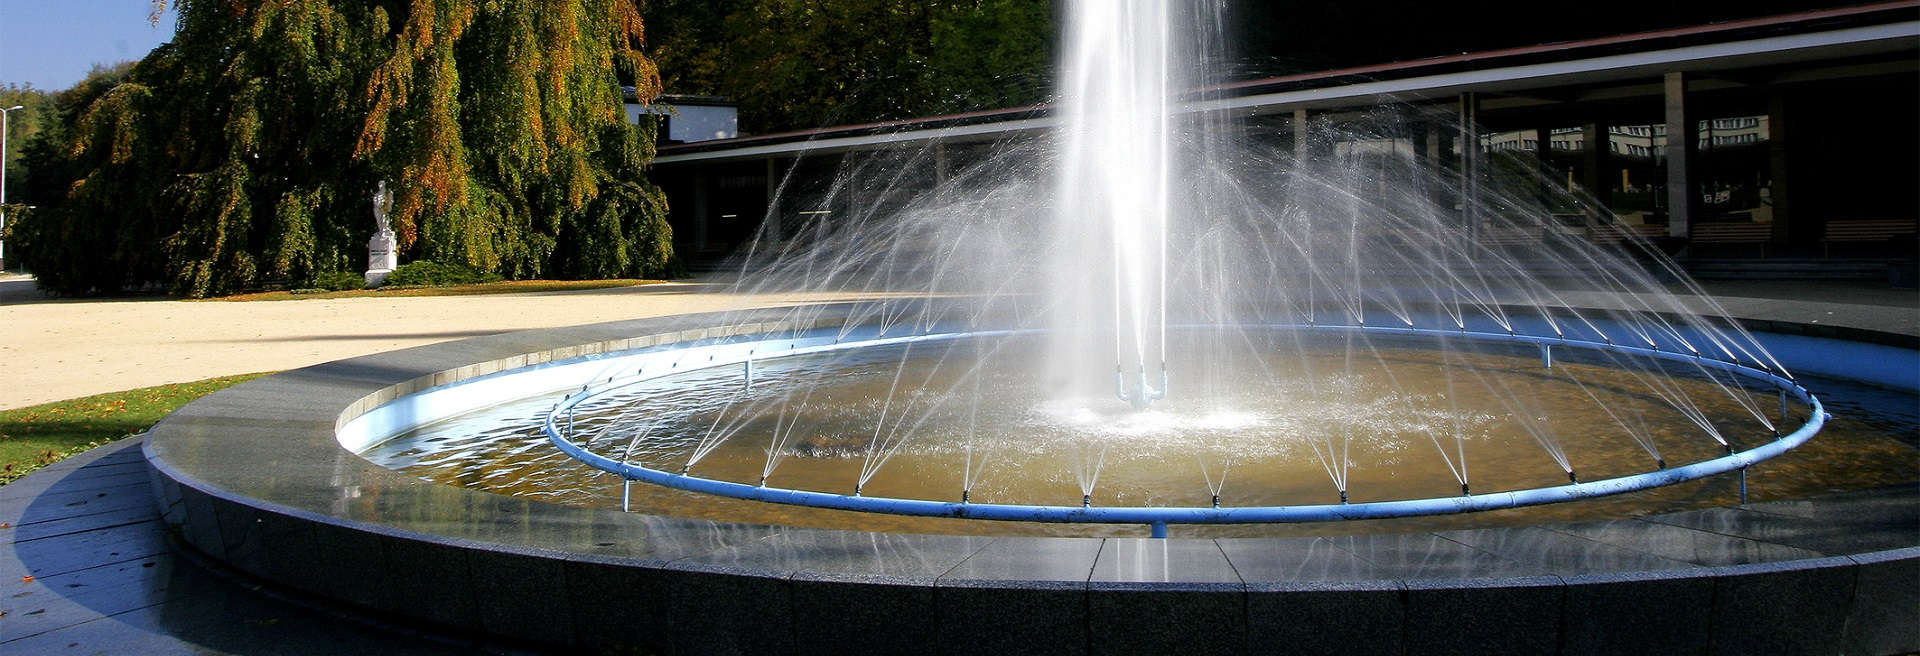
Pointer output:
x,y
247,150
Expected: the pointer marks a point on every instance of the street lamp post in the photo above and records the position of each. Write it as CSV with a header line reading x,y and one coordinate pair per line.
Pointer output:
x,y
3,181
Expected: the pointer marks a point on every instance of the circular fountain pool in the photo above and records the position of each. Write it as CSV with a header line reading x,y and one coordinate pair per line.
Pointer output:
x,y
1399,418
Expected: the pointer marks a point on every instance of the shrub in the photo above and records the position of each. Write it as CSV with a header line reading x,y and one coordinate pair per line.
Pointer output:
x,y
337,281
428,273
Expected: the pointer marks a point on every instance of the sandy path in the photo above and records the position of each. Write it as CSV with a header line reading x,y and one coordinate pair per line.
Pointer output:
x,y
60,349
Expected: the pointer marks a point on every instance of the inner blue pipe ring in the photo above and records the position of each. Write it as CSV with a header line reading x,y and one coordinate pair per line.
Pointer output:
x,y
1153,515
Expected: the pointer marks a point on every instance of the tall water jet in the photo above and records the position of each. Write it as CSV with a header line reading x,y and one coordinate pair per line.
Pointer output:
x,y
1113,197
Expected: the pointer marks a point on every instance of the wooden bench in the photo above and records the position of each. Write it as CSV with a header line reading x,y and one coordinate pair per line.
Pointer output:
x,y
1734,233
1613,234
1867,231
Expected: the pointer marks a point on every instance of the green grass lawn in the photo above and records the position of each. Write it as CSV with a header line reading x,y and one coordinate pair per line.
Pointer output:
x,y
37,436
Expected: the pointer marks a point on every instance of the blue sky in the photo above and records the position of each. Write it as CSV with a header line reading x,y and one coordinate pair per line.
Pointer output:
x,y
53,43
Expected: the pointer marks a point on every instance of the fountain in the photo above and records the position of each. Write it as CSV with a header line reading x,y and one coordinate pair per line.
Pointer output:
x,y
1296,306
1161,317
1323,310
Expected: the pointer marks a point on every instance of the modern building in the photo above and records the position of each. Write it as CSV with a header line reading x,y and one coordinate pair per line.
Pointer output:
x,y
685,119
1801,134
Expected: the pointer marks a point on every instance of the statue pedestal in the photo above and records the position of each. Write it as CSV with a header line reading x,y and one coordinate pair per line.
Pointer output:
x,y
381,258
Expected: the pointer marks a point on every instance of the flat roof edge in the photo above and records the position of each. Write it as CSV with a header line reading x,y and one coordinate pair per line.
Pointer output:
x,y
1789,48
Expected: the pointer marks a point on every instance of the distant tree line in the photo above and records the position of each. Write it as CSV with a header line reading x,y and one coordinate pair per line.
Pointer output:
x,y
798,64
245,152
1280,37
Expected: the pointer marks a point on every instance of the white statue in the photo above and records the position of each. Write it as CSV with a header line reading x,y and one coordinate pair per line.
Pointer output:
x,y
382,257
382,202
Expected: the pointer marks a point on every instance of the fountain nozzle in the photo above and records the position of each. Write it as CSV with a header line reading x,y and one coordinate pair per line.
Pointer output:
x,y
1343,497
1216,501
1143,395
1086,501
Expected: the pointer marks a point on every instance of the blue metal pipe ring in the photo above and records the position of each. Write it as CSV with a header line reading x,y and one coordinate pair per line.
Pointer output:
x,y
1158,517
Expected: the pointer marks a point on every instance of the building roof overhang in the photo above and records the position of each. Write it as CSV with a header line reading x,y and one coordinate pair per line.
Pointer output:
x,y
1804,39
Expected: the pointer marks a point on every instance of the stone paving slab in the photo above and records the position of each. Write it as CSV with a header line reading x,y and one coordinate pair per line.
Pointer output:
x,y
81,523
130,473
59,503
54,602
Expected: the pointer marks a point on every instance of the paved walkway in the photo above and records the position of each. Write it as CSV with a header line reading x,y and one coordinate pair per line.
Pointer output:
x,y
58,349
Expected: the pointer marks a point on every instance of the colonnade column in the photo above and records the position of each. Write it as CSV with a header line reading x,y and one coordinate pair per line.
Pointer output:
x,y
700,209
1681,143
771,227
1594,162
1779,192
1542,155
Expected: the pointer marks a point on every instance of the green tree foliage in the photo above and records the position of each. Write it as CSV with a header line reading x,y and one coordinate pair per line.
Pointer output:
x,y
65,247
37,115
796,64
246,150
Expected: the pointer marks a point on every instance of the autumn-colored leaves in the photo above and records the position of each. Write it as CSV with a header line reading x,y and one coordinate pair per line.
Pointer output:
x,y
240,155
